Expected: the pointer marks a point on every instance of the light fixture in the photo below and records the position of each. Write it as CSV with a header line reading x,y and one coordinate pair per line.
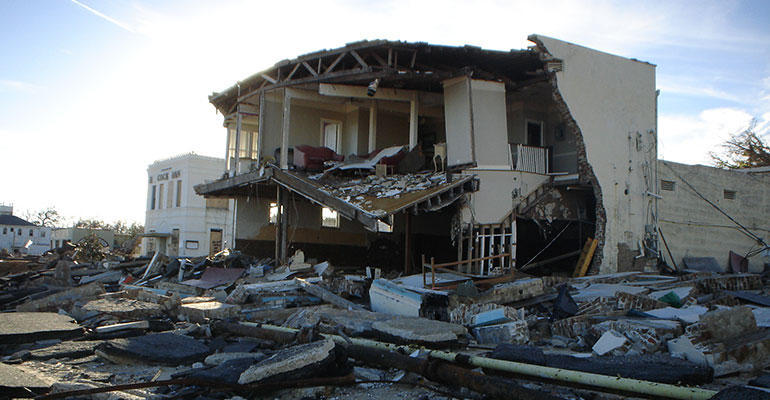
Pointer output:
x,y
372,89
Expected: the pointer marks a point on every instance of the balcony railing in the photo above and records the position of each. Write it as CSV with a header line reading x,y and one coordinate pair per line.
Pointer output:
x,y
529,158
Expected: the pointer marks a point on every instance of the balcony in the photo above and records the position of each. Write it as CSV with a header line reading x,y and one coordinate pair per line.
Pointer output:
x,y
530,158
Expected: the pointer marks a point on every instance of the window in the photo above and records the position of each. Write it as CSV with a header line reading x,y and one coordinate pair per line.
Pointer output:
x,y
330,218
179,193
5,231
247,148
152,198
330,134
729,194
667,185
191,244
57,244
170,196
42,233
160,196
31,232
272,217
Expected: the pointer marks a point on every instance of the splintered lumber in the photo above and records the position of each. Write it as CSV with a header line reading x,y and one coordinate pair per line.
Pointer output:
x,y
327,295
585,258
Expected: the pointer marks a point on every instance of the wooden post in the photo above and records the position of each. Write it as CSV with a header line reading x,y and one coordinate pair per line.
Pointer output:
x,y
413,121
407,243
422,267
373,126
432,273
260,127
585,258
285,130
278,225
283,207
238,119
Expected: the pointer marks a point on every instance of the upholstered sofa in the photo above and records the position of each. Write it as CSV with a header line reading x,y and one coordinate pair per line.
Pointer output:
x,y
312,158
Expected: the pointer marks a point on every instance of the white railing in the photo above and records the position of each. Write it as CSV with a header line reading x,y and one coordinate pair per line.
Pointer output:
x,y
530,159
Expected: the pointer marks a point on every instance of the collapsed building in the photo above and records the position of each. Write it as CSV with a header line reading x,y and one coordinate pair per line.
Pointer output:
x,y
490,158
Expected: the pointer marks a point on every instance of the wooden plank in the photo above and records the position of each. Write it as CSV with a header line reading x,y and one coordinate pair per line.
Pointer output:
x,y
309,68
269,78
585,258
327,296
359,59
334,63
296,67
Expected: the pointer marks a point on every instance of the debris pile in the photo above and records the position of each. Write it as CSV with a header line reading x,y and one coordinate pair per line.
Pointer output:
x,y
233,326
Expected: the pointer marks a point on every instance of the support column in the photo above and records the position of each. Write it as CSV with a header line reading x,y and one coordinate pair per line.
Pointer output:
x,y
284,224
260,129
408,243
373,126
285,130
413,119
278,226
237,140
227,154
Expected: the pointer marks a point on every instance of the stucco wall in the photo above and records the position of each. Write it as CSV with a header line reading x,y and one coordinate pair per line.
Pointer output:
x,y
613,102
693,228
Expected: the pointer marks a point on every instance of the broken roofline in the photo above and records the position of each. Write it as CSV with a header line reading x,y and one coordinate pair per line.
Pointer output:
x,y
364,61
430,199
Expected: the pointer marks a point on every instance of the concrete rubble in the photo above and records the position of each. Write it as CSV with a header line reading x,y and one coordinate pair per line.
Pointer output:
x,y
232,326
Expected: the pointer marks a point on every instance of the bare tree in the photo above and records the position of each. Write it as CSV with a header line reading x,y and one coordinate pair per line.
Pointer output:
x,y
48,217
743,150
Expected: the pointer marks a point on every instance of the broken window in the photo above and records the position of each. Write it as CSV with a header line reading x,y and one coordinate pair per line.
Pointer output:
x,y
330,218
667,185
179,193
729,194
273,214
152,198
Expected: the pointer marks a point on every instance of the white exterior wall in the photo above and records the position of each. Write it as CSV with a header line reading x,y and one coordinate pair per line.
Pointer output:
x,y
11,238
693,228
193,219
613,101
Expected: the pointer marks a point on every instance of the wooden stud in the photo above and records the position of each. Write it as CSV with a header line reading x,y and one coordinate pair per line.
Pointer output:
x,y
335,62
585,258
309,68
296,67
359,59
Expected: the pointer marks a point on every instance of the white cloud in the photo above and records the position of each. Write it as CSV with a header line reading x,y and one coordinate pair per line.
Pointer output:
x,y
24,87
689,139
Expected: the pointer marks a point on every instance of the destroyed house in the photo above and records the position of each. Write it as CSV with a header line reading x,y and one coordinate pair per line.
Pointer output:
x,y
382,153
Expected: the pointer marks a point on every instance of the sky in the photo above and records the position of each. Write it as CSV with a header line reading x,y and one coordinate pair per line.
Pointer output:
x,y
93,91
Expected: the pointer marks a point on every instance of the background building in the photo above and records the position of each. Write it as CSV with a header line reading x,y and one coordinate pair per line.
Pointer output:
x,y
73,235
20,236
178,222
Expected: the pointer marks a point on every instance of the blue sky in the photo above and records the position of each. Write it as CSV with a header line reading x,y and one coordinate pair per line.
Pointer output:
x,y
93,91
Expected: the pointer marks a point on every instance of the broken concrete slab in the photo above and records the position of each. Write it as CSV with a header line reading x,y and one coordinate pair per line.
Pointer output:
x,y
63,299
592,291
741,393
292,363
683,347
608,342
219,358
354,322
14,382
200,312
226,372
420,331
124,308
689,315
68,349
154,349
28,327
762,316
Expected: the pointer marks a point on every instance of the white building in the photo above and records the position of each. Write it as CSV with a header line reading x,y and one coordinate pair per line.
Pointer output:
x,y
178,222
21,236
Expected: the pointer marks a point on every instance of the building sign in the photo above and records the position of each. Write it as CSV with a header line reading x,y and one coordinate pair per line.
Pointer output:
x,y
165,176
